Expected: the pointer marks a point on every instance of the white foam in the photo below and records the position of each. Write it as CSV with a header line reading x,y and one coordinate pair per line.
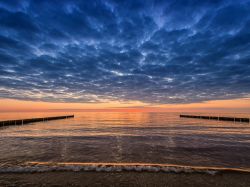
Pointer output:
x,y
31,167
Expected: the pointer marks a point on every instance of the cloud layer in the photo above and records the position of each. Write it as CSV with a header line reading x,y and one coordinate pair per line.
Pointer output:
x,y
180,51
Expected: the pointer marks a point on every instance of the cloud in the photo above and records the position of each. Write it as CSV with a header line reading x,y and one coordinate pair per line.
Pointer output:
x,y
153,52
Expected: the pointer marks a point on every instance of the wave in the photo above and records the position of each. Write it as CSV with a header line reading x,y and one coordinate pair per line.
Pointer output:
x,y
37,167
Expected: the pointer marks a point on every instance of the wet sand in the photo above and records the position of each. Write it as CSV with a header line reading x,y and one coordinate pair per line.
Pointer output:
x,y
126,179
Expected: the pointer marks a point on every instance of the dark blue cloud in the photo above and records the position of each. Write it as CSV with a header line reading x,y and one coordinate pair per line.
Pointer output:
x,y
179,51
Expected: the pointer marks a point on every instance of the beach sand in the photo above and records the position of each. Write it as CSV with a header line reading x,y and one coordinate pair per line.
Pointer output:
x,y
123,179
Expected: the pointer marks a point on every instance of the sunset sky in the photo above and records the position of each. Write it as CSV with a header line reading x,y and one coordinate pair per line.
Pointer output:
x,y
125,55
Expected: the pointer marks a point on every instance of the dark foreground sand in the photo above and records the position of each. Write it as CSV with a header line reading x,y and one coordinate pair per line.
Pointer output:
x,y
123,179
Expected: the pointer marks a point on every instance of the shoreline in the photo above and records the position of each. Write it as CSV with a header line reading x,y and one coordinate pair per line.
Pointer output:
x,y
43,167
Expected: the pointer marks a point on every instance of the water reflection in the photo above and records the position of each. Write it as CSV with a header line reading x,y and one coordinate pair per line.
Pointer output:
x,y
128,137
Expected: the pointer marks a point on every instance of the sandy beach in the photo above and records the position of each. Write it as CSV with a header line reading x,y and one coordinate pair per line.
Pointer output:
x,y
79,179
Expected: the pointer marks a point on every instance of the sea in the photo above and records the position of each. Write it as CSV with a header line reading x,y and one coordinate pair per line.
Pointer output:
x,y
120,141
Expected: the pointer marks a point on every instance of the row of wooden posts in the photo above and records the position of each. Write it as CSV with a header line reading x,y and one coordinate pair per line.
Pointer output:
x,y
32,120
234,119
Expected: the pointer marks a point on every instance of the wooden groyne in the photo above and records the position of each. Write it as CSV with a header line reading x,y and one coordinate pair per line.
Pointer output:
x,y
32,120
234,119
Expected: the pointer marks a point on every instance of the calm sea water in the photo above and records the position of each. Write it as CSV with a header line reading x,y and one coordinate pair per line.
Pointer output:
x,y
125,138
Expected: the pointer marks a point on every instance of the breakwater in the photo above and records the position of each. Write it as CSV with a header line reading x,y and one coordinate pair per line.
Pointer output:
x,y
219,118
32,120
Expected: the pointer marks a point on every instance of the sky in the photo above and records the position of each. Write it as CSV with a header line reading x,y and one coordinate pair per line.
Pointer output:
x,y
166,54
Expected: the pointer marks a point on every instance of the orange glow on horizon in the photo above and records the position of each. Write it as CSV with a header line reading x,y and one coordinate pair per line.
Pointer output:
x,y
19,105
